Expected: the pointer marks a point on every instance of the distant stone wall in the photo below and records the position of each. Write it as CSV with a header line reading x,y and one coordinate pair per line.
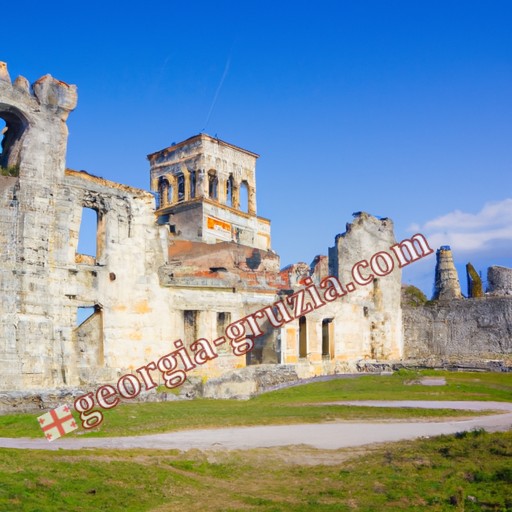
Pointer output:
x,y
463,328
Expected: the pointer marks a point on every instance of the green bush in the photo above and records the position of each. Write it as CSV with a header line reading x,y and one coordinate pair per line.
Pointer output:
x,y
413,296
11,170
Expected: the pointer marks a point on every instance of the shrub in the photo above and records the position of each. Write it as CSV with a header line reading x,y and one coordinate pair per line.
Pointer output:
x,y
413,296
11,170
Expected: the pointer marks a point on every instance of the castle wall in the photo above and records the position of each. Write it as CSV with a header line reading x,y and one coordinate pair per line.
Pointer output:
x,y
464,328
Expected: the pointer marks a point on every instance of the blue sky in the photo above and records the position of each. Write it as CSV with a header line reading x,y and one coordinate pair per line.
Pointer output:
x,y
399,108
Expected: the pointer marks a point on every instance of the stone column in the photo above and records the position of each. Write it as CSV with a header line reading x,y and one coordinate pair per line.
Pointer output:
x,y
252,200
164,191
202,183
174,183
154,184
236,195
221,190
186,177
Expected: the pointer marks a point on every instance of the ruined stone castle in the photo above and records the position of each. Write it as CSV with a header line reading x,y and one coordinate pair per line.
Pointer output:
x,y
181,261
459,329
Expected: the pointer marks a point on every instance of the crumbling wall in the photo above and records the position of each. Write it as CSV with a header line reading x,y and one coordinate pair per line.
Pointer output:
x,y
499,280
471,328
364,323
122,280
375,329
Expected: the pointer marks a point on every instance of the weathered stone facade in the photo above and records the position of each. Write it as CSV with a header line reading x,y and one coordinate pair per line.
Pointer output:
x,y
181,268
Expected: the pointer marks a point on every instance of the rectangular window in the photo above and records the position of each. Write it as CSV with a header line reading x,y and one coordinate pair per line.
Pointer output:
x,y
190,326
91,237
223,320
327,338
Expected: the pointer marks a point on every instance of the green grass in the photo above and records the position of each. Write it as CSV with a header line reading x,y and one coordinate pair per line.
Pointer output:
x,y
470,472
291,405
401,386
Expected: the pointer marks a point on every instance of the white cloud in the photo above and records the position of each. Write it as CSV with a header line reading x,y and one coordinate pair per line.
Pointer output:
x,y
488,231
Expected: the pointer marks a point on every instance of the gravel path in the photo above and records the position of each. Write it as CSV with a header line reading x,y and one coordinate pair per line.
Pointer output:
x,y
318,435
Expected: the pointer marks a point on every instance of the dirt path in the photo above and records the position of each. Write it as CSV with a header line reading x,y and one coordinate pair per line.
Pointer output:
x,y
318,435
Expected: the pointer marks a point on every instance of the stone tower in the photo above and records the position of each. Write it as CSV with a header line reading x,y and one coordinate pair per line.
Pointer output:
x,y
200,183
32,161
447,284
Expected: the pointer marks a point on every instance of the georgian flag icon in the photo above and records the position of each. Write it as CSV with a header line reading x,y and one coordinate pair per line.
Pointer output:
x,y
57,423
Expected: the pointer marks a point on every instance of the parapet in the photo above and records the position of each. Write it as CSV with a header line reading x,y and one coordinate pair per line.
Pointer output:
x,y
47,91
35,134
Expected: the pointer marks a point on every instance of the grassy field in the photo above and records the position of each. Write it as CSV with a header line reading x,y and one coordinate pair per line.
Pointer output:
x,y
291,405
470,472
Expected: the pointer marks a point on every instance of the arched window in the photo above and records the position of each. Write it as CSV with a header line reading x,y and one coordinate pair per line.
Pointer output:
x,y
229,191
213,185
181,187
244,196
12,129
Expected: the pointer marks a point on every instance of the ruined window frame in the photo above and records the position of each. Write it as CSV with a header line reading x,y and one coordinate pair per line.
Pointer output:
x,y
213,185
229,191
88,224
180,183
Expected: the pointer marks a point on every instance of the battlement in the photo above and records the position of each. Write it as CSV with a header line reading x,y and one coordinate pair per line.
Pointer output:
x,y
34,118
